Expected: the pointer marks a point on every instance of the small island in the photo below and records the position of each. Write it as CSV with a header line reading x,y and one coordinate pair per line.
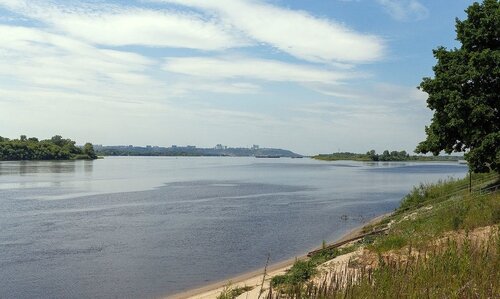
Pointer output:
x,y
385,156
55,148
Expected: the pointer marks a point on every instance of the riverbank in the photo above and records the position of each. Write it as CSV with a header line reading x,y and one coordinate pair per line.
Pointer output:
x,y
254,279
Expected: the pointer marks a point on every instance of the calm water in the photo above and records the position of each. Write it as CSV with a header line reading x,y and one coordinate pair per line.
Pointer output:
x,y
145,227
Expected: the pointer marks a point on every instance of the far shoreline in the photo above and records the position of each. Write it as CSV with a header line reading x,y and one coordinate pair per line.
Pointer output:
x,y
211,290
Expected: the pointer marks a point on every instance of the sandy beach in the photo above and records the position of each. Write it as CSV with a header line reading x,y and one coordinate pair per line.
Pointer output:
x,y
254,278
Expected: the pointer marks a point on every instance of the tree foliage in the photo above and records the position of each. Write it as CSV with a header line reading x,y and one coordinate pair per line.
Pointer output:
x,y
464,93
56,148
88,149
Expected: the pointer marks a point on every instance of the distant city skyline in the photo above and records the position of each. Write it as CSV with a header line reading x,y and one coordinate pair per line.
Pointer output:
x,y
308,76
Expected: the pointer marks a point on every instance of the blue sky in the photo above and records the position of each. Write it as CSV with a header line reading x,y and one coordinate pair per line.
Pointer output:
x,y
312,76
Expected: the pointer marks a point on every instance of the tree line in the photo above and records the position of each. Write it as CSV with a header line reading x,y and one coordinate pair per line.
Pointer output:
x,y
390,156
55,148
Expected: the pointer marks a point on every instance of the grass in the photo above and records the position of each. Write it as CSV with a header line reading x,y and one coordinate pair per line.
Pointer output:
x,y
418,268
302,270
425,194
230,292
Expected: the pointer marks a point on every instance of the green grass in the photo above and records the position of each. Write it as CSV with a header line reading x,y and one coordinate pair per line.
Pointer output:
x,y
425,194
442,208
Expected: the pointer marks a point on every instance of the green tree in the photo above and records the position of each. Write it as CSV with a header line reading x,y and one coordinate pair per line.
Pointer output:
x,y
88,149
372,155
465,91
58,140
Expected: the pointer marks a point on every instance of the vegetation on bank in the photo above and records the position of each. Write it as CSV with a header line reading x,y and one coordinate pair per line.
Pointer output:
x,y
55,148
419,256
385,156
231,292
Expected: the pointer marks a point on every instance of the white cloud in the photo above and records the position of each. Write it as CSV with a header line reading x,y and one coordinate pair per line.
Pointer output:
x,y
294,32
73,34
120,26
403,10
261,69
32,59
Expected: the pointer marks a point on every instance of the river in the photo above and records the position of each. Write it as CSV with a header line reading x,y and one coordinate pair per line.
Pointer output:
x,y
145,227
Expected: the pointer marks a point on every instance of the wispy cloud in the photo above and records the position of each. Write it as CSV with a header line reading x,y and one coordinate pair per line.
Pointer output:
x,y
294,32
405,10
186,87
261,69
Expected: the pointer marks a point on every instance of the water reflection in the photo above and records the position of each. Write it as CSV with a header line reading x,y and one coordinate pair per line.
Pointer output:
x,y
88,166
32,167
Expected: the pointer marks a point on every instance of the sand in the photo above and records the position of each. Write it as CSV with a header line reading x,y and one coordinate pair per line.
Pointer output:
x,y
254,278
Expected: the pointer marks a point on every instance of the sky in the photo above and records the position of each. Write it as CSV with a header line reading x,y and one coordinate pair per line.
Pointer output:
x,y
312,76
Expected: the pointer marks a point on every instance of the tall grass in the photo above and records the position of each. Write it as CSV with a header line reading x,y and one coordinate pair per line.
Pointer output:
x,y
302,270
439,214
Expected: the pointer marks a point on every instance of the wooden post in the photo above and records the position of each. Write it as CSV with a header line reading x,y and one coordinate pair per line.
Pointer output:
x,y
470,181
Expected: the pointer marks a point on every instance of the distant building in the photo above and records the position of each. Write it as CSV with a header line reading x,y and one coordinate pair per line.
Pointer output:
x,y
220,147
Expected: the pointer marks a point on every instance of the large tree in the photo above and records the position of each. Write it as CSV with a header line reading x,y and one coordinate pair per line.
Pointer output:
x,y
465,91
